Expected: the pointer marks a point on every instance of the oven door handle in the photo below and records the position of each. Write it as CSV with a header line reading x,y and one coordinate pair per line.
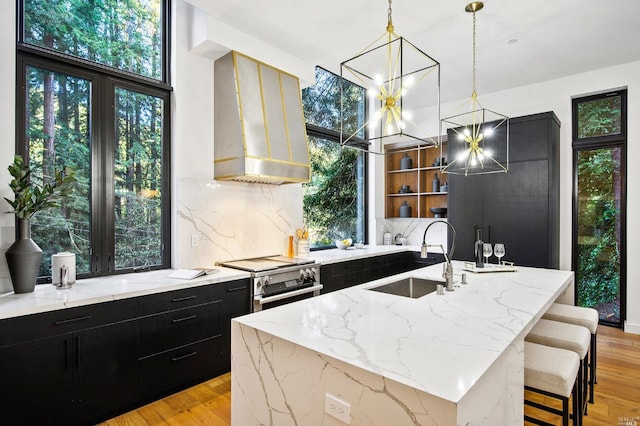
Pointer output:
x,y
269,299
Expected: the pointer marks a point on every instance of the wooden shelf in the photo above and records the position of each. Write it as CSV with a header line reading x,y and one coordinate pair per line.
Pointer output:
x,y
419,179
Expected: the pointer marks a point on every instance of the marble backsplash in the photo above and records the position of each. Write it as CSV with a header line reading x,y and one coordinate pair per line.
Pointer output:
x,y
412,230
231,220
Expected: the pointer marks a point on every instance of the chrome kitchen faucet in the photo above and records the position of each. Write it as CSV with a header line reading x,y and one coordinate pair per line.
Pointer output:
x,y
447,273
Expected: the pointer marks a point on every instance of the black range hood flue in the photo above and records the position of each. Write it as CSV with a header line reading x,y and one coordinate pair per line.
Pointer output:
x,y
260,134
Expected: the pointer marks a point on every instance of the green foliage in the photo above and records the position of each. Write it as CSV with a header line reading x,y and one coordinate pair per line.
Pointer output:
x,y
31,197
598,272
600,117
124,34
330,199
322,103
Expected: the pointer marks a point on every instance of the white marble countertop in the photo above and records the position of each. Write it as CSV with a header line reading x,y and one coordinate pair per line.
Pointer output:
x,y
102,289
336,255
439,344
46,297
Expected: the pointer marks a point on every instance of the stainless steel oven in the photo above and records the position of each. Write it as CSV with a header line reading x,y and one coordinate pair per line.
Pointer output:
x,y
277,280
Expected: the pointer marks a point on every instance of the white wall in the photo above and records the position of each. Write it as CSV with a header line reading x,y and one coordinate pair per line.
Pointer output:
x,y
238,219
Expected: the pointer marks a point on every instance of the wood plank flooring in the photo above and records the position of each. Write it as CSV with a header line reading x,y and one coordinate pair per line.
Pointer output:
x,y
617,394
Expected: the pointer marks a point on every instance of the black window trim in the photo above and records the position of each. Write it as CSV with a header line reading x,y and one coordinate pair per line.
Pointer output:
x,y
602,142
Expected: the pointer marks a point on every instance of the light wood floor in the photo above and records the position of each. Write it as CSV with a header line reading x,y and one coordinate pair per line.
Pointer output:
x,y
617,397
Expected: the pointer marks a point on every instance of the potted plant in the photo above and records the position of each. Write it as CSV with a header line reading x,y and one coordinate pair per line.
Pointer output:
x,y
24,255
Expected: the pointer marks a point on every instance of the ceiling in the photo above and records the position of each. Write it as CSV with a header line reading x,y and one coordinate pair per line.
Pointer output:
x,y
518,42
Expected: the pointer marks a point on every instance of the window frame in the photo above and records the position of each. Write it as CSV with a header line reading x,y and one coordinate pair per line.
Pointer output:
x,y
104,81
335,136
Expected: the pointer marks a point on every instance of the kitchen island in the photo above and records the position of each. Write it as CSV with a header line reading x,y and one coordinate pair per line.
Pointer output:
x,y
445,359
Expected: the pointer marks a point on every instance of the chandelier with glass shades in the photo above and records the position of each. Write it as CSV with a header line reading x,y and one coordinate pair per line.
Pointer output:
x,y
399,78
478,139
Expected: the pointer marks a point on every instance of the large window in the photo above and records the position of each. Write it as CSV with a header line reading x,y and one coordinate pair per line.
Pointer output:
x,y
93,83
599,212
335,199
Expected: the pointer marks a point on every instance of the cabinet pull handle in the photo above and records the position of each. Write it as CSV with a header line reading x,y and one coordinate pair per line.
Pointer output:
x,y
229,290
180,358
67,351
190,317
67,321
182,299
78,351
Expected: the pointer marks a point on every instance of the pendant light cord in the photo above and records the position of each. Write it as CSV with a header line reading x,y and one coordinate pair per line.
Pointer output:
x,y
474,94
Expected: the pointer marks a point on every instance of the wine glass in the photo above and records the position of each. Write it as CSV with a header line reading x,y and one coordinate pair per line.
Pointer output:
x,y
487,251
499,251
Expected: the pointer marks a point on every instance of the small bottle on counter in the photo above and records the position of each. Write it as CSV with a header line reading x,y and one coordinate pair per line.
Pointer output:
x,y
479,249
290,248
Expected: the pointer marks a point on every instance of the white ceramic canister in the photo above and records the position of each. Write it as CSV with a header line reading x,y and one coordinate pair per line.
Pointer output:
x,y
59,260
386,239
303,248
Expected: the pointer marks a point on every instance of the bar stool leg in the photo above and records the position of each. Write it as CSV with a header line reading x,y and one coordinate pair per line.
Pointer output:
x,y
592,366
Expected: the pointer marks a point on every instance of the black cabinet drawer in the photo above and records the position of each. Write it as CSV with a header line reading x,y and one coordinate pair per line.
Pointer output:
x,y
165,331
47,324
178,299
181,367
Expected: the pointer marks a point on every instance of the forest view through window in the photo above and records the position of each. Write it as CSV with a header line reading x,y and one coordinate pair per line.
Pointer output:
x,y
92,83
334,201
600,204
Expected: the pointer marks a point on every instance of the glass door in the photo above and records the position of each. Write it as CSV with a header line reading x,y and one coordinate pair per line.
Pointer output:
x,y
599,205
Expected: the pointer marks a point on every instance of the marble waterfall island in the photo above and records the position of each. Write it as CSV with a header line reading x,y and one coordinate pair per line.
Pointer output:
x,y
452,359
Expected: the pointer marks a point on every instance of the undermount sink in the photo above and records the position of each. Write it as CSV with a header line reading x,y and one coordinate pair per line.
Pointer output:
x,y
409,287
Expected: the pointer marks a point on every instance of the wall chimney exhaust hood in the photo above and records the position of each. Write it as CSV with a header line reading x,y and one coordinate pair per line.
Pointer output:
x,y
260,134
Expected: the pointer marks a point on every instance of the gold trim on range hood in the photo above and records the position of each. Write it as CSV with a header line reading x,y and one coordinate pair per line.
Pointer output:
x,y
259,127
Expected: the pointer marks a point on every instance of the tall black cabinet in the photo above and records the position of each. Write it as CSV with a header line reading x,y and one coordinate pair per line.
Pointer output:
x,y
519,208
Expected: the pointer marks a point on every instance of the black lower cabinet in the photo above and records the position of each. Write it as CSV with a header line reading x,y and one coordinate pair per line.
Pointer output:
x,y
69,379
37,382
340,275
84,365
180,367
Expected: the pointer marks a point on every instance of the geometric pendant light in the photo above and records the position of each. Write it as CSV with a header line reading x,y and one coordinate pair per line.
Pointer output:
x,y
399,79
479,138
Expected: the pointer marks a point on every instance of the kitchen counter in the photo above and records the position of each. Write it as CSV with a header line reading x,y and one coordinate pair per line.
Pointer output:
x,y
448,359
329,256
102,289
46,297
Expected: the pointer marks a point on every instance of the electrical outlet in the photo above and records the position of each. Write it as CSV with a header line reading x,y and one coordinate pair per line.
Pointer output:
x,y
194,240
337,408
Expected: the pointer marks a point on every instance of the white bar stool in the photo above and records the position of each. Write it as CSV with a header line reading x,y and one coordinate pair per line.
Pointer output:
x,y
552,372
586,317
571,337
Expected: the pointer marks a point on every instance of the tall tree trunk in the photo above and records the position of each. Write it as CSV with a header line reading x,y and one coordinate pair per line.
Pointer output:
x,y
48,151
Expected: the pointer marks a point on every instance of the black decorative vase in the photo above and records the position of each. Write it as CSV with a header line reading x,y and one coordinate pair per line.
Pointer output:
x,y
23,259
